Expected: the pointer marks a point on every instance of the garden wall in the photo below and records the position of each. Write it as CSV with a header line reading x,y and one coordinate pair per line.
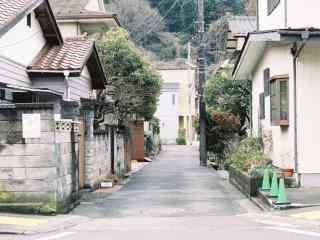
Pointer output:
x,y
36,174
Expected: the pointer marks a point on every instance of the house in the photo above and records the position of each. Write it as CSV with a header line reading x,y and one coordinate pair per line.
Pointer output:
x,y
167,112
90,18
78,17
281,59
48,94
177,105
238,27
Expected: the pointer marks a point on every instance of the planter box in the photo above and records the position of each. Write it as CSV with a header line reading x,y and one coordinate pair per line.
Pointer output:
x,y
249,186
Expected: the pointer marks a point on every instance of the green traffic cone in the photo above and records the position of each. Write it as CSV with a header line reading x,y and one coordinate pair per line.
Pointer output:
x,y
266,181
274,186
282,196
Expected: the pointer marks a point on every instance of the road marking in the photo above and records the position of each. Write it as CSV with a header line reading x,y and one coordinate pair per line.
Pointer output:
x,y
302,232
57,236
21,221
314,215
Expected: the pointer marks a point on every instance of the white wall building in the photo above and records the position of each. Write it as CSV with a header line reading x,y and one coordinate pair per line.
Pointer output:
x,y
177,104
167,112
282,61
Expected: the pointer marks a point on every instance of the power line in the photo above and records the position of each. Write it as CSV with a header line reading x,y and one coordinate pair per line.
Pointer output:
x,y
169,10
163,18
154,14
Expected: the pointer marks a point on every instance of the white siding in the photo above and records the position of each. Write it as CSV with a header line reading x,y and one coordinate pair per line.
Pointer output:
x,y
299,14
69,30
275,20
22,43
168,115
80,87
280,146
95,5
308,87
13,73
303,14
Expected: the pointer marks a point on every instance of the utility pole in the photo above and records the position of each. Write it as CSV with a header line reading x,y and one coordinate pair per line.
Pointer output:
x,y
202,80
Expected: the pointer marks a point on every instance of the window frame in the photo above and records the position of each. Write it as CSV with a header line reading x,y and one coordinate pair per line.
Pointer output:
x,y
266,81
275,98
272,5
29,20
262,106
173,100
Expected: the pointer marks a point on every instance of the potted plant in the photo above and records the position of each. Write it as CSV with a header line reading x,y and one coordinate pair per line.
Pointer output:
x,y
286,169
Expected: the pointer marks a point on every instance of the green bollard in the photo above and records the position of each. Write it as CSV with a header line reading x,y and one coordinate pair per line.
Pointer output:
x,y
274,186
282,196
266,181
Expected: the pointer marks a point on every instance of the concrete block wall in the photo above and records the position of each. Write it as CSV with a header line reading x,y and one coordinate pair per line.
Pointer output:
x,y
35,174
27,166
120,154
66,149
97,152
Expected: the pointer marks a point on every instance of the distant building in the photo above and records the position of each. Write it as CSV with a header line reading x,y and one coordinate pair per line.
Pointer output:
x,y
238,29
78,17
177,105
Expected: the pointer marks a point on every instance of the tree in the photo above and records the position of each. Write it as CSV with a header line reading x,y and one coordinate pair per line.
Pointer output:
x,y
135,83
137,16
250,7
182,13
225,95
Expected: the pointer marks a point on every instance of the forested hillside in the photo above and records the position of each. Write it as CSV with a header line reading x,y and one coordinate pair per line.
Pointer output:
x,y
163,27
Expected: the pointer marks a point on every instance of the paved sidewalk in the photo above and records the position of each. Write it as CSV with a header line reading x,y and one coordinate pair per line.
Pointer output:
x,y
34,224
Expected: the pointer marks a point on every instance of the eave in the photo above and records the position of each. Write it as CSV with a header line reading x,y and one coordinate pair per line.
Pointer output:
x,y
256,44
88,18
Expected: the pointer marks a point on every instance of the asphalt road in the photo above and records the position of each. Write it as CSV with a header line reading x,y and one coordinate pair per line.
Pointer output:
x,y
173,198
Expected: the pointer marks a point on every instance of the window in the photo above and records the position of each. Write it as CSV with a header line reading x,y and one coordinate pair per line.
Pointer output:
x,y
266,79
280,100
272,5
29,20
2,94
262,106
173,99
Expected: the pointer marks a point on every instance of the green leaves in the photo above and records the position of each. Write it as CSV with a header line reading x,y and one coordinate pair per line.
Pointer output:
x,y
136,83
223,94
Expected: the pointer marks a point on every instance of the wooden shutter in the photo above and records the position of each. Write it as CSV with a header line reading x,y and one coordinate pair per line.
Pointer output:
x,y
272,5
266,79
262,106
274,102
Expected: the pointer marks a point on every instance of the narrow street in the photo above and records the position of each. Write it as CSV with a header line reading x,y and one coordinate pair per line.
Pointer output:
x,y
171,198
172,186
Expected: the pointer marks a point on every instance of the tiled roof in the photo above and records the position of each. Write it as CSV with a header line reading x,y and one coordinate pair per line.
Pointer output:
x,y
71,56
63,8
242,25
9,9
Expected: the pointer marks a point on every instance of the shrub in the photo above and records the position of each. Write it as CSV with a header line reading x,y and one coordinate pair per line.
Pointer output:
x,y
181,140
247,155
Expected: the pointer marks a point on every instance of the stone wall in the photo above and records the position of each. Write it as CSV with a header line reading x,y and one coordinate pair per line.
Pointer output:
x,y
35,173
97,152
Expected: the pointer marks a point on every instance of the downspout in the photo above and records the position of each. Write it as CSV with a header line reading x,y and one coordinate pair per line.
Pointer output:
x,y
258,17
296,51
286,14
66,77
